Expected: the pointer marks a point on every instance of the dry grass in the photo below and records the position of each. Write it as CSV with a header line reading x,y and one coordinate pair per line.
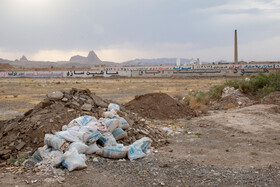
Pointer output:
x,y
31,91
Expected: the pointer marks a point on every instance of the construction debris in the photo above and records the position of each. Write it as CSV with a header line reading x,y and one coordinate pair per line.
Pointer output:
x,y
27,133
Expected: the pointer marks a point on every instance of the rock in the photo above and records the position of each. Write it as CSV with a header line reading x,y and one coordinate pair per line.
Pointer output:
x,y
55,95
86,107
35,140
35,119
64,99
98,101
20,145
74,104
51,120
71,110
188,117
60,179
4,152
10,127
6,156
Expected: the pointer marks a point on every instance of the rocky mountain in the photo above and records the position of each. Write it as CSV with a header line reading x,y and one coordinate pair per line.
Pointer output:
x,y
23,58
91,59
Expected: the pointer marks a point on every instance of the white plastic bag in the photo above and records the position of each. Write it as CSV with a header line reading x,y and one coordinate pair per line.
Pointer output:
x,y
111,124
67,136
73,160
107,139
50,155
117,152
113,106
123,123
119,134
82,121
55,141
137,149
80,146
91,137
92,148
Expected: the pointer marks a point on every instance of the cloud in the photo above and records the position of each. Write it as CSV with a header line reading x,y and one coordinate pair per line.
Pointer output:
x,y
134,29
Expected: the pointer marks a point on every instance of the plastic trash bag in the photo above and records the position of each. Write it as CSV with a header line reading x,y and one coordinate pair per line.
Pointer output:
x,y
123,123
119,134
107,139
49,155
138,148
116,152
113,106
91,137
110,114
82,121
73,160
67,136
111,124
55,142
92,148
80,146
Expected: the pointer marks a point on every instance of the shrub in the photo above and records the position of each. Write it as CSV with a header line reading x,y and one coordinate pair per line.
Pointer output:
x,y
216,91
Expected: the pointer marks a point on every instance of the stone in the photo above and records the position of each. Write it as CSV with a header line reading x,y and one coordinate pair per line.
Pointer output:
x,y
74,104
98,101
71,110
4,152
86,107
51,121
20,145
60,179
35,140
35,119
6,156
64,99
55,95
10,127
188,117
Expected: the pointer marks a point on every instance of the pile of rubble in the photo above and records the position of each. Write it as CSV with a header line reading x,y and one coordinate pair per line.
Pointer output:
x,y
26,133
272,98
158,106
231,98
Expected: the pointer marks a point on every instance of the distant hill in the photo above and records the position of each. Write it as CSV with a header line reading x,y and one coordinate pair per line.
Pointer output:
x,y
4,60
5,66
155,61
91,59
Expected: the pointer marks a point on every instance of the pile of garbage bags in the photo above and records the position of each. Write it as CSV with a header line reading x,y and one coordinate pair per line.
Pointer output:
x,y
87,135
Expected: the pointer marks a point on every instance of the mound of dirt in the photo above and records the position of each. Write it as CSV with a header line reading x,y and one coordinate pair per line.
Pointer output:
x,y
272,98
158,106
231,98
26,133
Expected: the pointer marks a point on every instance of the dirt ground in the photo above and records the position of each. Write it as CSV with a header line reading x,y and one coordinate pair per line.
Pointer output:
x,y
18,95
235,147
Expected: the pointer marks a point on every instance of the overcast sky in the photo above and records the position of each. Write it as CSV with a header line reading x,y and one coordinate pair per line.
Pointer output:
x,y
120,30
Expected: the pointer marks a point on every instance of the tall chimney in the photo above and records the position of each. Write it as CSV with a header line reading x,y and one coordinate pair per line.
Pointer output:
x,y
235,48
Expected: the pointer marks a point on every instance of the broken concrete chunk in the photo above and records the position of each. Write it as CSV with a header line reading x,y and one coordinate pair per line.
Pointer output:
x,y
64,99
86,107
98,101
20,145
4,152
55,95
